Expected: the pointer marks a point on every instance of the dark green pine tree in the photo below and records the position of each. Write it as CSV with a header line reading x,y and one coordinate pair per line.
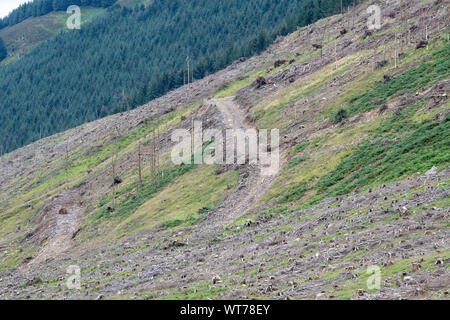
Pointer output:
x,y
3,51
139,53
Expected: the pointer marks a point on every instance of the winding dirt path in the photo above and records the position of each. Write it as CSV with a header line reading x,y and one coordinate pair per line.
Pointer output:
x,y
253,187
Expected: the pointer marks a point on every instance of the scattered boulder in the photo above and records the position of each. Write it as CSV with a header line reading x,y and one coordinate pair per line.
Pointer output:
x,y
367,34
216,280
404,210
174,244
270,288
383,108
63,211
361,292
220,170
34,281
391,14
320,295
279,63
421,44
117,180
248,223
439,262
259,82
26,260
380,64
432,171
408,279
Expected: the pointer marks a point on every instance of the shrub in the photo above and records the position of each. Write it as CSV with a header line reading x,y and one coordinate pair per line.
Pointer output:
x,y
339,116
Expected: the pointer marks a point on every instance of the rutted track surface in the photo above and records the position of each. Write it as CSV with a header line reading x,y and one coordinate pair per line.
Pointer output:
x,y
319,252
254,184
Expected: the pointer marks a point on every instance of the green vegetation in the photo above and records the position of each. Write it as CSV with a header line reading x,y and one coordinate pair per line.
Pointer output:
x,y
189,198
397,146
46,91
296,161
48,87
385,148
295,192
299,147
190,220
3,51
130,204
270,114
379,160
39,8
423,75
184,195
339,116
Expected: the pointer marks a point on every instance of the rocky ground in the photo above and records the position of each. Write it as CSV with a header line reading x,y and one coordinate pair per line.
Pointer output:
x,y
320,252
244,245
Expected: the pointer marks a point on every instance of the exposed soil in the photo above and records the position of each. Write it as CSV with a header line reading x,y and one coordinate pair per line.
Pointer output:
x,y
321,252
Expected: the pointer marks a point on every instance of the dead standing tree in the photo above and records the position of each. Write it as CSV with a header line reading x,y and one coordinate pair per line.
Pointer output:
x,y
139,183
322,39
353,14
67,164
125,101
194,117
335,54
152,155
157,160
155,148
115,179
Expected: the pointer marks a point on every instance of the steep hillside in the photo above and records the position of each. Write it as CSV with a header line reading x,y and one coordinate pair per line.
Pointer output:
x,y
127,54
363,181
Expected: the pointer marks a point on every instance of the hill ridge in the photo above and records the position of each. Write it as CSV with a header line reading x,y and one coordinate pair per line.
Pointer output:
x,y
363,182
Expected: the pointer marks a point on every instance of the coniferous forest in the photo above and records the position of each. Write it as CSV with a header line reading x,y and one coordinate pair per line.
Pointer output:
x,y
80,75
39,8
3,51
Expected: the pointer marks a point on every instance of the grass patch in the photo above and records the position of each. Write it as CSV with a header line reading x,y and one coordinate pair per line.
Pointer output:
x,y
379,161
425,74
185,201
128,206
339,116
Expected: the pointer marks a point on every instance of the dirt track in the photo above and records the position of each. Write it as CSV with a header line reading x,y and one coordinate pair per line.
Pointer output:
x,y
254,184
312,253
